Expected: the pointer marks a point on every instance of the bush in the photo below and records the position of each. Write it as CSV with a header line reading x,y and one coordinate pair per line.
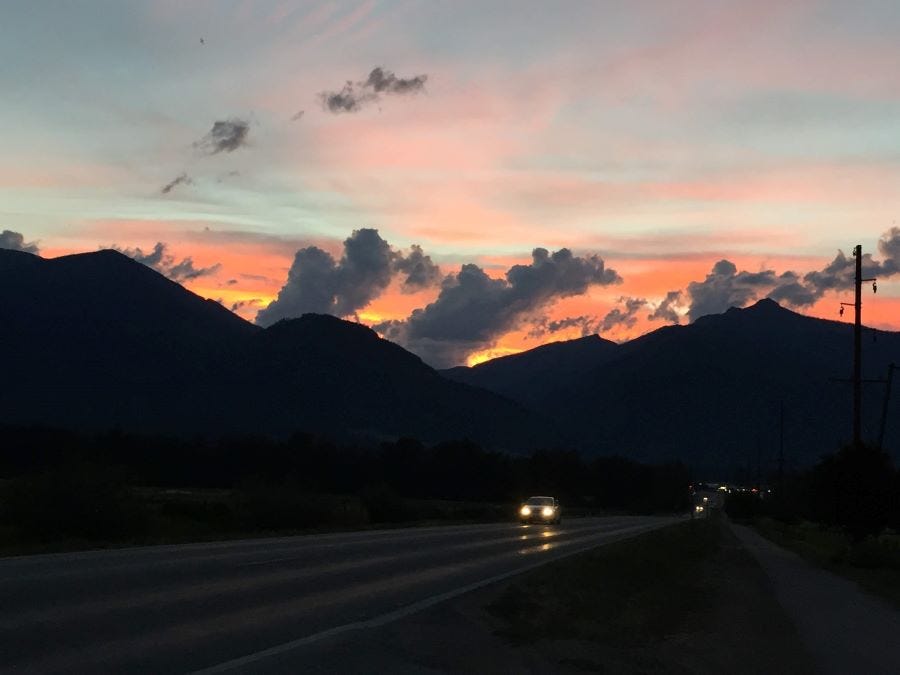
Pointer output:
x,y
875,553
286,506
853,489
82,502
383,505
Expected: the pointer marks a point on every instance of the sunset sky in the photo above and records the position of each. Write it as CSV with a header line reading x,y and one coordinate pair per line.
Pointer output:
x,y
651,140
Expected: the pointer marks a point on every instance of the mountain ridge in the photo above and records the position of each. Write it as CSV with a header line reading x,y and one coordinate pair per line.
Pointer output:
x,y
103,341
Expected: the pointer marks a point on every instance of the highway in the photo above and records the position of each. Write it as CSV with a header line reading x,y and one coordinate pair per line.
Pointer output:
x,y
231,606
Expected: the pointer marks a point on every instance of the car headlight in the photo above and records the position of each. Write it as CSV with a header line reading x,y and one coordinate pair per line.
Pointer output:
x,y
547,512
525,511
698,508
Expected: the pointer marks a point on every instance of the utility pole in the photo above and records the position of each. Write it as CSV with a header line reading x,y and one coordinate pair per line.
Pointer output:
x,y
857,352
781,452
857,345
887,400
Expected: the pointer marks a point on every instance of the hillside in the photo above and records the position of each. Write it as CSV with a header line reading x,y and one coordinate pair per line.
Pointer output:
x,y
99,341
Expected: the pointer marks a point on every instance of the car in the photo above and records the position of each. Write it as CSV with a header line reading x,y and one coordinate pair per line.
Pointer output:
x,y
540,510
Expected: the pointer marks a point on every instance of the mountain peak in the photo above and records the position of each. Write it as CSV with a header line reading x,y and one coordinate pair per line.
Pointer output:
x,y
766,305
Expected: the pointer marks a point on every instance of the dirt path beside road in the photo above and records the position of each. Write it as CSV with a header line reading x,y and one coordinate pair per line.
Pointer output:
x,y
842,627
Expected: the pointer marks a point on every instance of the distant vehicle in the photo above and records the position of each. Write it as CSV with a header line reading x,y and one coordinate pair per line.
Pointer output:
x,y
700,511
540,510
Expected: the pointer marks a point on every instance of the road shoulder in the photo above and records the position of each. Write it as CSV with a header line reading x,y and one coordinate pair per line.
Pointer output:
x,y
845,629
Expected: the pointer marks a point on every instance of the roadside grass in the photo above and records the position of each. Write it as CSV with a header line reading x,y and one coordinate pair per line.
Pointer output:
x,y
873,563
624,593
77,512
685,599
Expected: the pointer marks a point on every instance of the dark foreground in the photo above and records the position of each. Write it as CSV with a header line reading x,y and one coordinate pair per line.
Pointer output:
x,y
684,600
247,605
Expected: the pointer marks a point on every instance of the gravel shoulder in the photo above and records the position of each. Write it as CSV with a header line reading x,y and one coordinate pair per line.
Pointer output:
x,y
845,629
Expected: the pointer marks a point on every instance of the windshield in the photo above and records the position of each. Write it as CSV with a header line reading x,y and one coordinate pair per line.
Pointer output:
x,y
540,501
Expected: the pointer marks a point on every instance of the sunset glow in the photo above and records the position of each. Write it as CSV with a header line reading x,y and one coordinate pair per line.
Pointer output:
x,y
657,139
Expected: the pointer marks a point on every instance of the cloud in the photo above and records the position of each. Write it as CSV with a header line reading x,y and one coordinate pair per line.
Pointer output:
x,y
543,326
241,304
725,287
383,81
297,115
792,291
225,136
320,284
420,270
16,242
473,309
665,310
353,96
164,263
348,99
619,317
180,179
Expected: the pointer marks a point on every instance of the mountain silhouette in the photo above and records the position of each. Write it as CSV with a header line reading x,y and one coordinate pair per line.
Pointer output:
x,y
711,392
98,341
532,376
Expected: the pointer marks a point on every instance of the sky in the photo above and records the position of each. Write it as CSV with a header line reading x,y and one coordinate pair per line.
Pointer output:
x,y
471,179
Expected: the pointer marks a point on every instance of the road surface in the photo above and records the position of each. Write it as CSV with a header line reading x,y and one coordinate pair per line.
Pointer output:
x,y
234,606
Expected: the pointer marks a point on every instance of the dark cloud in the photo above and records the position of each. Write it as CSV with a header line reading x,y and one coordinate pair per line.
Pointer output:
x,y
543,326
353,96
350,98
383,81
180,179
225,136
792,291
625,317
420,270
840,273
665,310
473,309
318,283
889,248
241,304
725,287
164,263
16,242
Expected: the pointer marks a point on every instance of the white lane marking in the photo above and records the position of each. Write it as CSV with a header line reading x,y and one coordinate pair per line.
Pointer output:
x,y
418,606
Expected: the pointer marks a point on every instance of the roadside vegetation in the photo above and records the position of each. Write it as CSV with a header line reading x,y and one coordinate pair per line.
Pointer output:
x,y
683,599
63,490
842,515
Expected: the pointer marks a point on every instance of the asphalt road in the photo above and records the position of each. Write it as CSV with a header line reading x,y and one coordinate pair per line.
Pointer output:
x,y
242,605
